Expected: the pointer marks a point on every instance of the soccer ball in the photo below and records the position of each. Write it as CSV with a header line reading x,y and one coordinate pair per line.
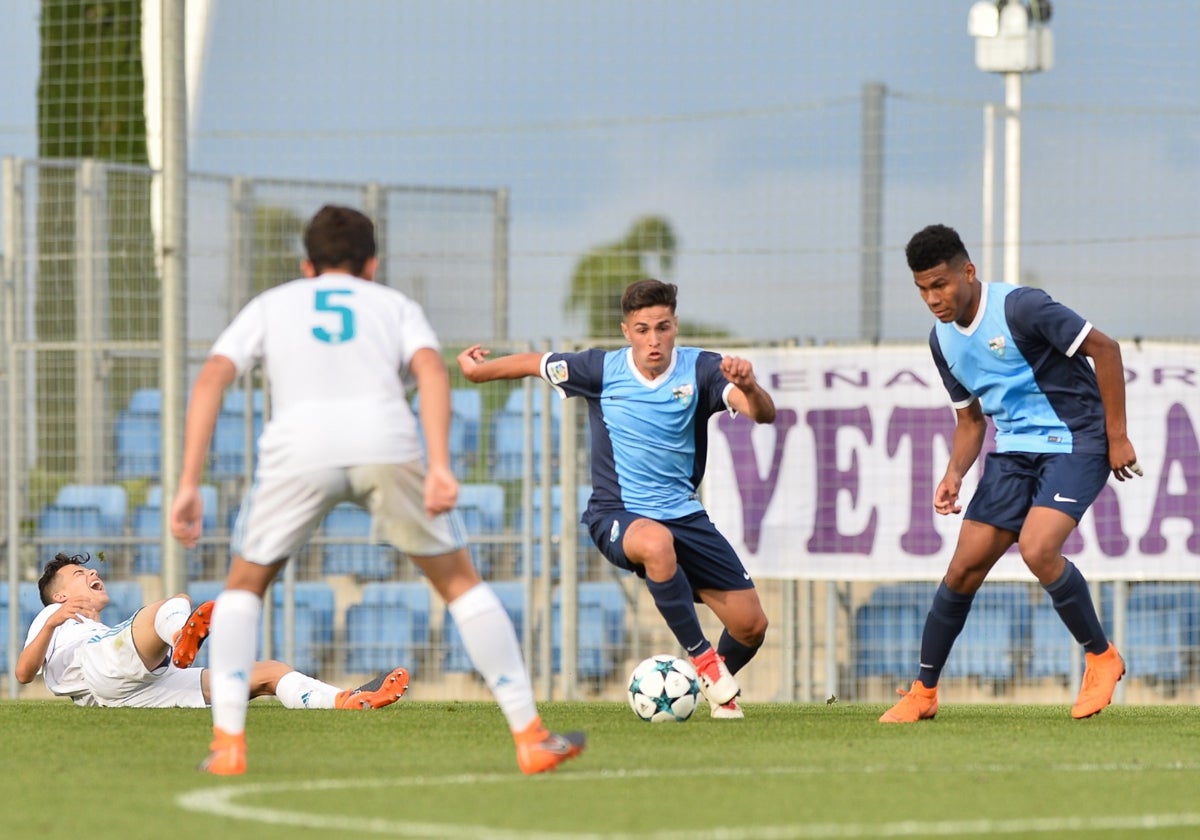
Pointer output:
x,y
663,688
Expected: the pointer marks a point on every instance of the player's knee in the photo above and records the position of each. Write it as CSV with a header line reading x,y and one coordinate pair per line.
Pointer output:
x,y
1039,555
750,630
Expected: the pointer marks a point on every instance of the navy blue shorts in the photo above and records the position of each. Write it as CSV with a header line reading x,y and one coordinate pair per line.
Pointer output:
x,y
706,557
1013,482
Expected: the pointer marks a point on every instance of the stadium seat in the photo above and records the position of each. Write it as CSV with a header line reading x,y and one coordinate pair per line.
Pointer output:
x,y
887,638
1050,645
146,522
70,530
990,644
454,654
29,604
1162,630
601,626
466,416
125,599
508,436
362,559
583,545
110,499
308,646
389,628
138,439
227,453
481,507
138,436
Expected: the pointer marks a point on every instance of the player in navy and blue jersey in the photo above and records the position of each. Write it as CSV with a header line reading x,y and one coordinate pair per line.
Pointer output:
x,y
1019,357
649,405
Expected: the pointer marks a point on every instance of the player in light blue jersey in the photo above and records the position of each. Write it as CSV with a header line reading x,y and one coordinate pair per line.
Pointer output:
x,y
1017,356
649,406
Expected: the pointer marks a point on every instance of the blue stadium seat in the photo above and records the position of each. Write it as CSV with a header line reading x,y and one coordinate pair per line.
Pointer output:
x,y
887,638
389,628
110,499
583,545
29,604
466,417
1050,644
125,599
146,521
315,595
454,654
1162,631
508,436
227,453
145,401
991,642
71,530
601,625
363,560
138,438
481,507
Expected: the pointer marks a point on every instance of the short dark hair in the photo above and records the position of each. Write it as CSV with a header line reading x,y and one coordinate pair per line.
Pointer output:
x,y
46,581
339,237
933,245
648,292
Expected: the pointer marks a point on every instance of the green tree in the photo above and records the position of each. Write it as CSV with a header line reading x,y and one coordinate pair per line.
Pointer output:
x,y
90,102
601,275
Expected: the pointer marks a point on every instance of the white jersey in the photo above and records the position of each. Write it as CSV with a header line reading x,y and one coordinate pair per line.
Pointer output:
x,y
61,668
336,351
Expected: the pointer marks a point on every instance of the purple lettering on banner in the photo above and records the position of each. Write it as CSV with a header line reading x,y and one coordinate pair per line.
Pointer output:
x,y
754,491
1109,532
1182,449
826,538
922,426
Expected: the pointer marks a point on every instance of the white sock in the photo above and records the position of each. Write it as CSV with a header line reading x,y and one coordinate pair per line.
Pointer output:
x,y
232,642
491,643
171,617
300,691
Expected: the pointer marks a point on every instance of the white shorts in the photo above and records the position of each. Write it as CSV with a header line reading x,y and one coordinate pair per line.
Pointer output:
x,y
278,515
117,676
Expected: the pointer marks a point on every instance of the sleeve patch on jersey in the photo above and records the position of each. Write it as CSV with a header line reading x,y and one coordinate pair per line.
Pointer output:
x,y
557,372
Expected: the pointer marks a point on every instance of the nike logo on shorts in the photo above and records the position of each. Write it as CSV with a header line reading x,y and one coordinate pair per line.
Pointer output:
x,y
1058,497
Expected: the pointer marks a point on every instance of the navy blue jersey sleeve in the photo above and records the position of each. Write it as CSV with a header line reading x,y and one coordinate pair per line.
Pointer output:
x,y
1033,314
959,395
711,382
575,374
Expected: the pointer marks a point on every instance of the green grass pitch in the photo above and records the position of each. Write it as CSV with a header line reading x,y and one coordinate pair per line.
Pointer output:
x,y
447,770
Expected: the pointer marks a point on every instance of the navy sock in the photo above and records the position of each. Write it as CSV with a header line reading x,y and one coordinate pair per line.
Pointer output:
x,y
735,653
674,600
1073,602
942,626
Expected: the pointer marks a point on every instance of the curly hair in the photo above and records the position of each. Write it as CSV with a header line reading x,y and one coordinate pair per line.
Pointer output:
x,y
934,245
46,588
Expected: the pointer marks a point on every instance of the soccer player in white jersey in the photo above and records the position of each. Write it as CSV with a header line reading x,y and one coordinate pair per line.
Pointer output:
x,y
338,351
128,665
649,406
1013,354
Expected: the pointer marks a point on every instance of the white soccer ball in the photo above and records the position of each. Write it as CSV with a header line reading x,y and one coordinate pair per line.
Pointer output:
x,y
664,688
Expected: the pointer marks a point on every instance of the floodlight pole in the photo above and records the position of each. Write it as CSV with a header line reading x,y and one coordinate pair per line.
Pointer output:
x,y
1012,38
1012,179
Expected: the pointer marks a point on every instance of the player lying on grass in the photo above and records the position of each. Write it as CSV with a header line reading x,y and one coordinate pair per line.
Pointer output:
x,y
132,664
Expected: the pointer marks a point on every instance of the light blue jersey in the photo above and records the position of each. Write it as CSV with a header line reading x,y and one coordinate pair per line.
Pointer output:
x,y
1018,358
649,437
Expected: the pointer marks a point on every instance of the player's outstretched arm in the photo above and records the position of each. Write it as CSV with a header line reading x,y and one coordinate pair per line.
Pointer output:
x,y
748,397
1110,377
476,366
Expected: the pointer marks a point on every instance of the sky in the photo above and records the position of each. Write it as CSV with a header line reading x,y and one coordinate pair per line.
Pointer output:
x,y
739,122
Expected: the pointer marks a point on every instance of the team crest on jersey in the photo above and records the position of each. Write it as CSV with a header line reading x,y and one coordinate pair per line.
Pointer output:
x,y
684,394
996,345
557,372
